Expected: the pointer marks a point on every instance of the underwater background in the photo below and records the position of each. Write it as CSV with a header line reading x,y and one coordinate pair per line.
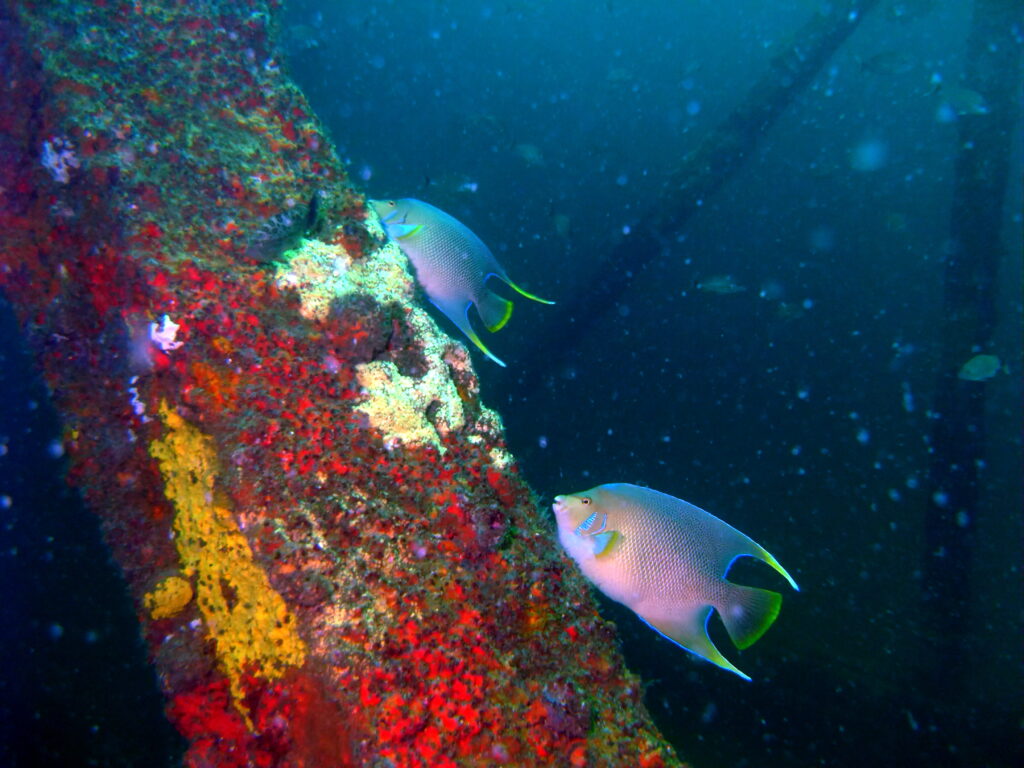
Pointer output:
x,y
776,363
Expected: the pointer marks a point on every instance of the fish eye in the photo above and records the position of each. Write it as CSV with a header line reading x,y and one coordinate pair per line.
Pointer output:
x,y
584,500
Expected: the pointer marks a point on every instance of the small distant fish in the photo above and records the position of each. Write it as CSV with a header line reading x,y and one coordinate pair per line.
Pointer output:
x,y
283,231
889,63
905,11
980,368
562,225
452,264
896,222
450,184
530,154
963,101
720,284
789,310
666,560
298,38
619,75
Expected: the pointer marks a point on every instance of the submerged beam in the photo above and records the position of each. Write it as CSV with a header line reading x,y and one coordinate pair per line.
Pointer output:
x,y
332,555
971,282
699,176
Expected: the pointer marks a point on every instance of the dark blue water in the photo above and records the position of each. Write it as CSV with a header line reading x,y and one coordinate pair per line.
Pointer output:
x,y
800,409
76,687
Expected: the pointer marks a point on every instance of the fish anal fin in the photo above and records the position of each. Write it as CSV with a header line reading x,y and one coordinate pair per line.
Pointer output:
x,y
689,630
458,313
749,613
494,310
604,542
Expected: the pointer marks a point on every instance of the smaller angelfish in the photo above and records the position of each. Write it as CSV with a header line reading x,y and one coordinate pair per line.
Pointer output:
x,y
980,368
723,285
452,264
666,560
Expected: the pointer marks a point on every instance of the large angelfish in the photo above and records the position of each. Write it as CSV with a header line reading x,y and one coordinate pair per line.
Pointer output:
x,y
666,560
452,264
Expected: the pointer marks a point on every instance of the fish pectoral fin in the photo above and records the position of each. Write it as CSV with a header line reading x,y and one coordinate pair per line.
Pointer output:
x,y
400,231
494,310
689,630
748,613
604,542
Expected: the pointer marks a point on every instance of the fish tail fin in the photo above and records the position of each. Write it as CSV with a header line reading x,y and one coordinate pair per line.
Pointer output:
x,y
748,613
494,310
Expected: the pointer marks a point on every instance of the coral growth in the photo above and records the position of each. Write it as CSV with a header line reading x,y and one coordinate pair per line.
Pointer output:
x,y
168,598
334,557
251,626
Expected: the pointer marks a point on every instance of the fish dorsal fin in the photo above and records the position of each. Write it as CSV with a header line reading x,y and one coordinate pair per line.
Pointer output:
x,y
401,231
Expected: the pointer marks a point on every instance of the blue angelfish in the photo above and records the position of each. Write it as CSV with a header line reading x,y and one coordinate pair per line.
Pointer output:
x,y
666,560
452,264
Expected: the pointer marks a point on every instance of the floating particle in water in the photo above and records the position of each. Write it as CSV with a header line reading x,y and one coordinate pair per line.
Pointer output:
x,y
895,495
869,155
822,238
622,180
912,482
941,499
803,393
542,441
6,502
807,303
795,450
709,713
56,631
863,436
693,108
772,290
55,449
963,519
908,398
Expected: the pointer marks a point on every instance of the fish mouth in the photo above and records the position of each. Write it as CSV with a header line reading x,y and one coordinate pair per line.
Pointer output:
x,y
559,504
